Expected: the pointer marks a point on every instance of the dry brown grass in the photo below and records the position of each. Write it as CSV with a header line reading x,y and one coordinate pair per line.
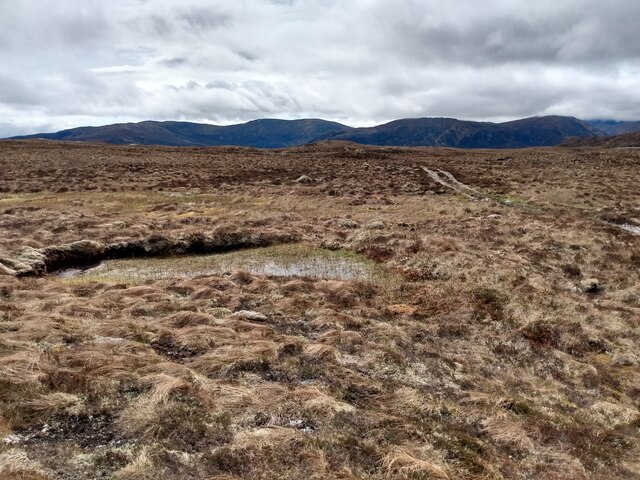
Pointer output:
x,y
483,353
400,461
16,464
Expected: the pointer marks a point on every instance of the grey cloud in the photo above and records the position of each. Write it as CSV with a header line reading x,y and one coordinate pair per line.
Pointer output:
x,y
174,62
15,93
219,100
204,18
358,62
48,24
495,32
246,55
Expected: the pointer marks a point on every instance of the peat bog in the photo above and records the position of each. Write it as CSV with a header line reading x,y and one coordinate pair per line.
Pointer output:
x,y
367,321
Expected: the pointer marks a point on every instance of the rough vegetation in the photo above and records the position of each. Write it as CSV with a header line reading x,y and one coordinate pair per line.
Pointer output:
x,y
503,345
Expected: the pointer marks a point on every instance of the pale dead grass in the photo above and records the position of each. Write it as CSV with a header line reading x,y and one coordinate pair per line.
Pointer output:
x,y
405,463
50,403
23,367
321,352
508,433
225,359
16,464
141,468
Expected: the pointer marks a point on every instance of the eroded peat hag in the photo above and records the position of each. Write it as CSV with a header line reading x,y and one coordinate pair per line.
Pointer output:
x,y
82,254
504,344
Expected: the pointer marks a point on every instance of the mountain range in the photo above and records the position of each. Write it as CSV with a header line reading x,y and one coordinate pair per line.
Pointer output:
x,y
411,132
612,127
616,141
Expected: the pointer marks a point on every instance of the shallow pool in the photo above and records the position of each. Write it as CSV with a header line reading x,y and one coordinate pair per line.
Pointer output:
x,y
281,260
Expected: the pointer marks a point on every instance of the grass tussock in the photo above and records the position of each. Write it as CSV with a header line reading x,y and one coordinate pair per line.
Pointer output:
x,y
400,461
16,464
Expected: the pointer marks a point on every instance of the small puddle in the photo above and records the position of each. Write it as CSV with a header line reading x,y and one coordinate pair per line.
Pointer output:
x,y
630,228
281,260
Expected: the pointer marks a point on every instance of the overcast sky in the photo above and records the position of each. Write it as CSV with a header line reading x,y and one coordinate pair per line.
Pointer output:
x,y
66,63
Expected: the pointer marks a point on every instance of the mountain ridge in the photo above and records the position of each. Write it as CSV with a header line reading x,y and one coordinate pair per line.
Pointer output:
x,y
451,132
261,133
614,141
614,127
276,133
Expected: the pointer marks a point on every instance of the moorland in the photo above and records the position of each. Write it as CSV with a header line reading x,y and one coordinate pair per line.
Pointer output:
x,y
488,329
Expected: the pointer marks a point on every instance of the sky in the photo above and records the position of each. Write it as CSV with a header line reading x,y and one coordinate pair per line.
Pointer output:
x,y
67,63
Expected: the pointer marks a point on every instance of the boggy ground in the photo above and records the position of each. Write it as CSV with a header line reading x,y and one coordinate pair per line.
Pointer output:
x,y
502,344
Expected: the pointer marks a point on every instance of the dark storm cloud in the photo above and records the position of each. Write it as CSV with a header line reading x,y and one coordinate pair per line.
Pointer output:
x,y
67,63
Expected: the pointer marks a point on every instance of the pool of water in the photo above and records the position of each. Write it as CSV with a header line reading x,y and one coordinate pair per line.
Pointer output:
x,y
630,228
281,260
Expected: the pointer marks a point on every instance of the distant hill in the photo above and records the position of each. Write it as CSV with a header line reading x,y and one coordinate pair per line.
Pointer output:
x,y
271,133
625,140
449,132
264,133
613,127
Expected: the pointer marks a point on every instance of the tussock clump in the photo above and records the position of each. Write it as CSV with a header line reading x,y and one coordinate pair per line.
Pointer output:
x,y
318,403
202,338
454,326
140,468
364,290
342,338
163,386
507,432
48,404
182,422
403,462
378,253
542,333
572,270
318,351
187,319
297,285
417,403
229,360
242,277
400,309
338,293
6,292
16,464
24,367
281,452
490,304
205,293
250,329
